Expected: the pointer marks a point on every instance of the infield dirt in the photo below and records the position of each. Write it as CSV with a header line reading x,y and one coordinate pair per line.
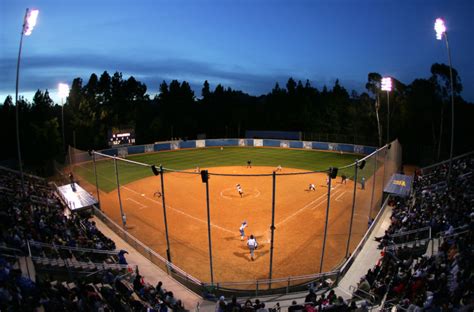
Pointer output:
x,y
300,217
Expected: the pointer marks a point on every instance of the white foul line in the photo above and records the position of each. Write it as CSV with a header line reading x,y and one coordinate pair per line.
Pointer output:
x,y
341,195
133,200
302,208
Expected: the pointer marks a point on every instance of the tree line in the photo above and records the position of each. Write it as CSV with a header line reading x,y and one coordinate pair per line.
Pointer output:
x,y
420,115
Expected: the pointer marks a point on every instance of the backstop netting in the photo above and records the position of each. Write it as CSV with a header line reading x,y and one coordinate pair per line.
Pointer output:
x,y
306,224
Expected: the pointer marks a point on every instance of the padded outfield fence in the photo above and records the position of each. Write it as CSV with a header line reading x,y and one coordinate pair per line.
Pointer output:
x,y
344,213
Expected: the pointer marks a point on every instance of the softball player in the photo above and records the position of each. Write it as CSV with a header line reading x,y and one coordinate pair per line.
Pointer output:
x,y
311,187
241,230
252,243
239,190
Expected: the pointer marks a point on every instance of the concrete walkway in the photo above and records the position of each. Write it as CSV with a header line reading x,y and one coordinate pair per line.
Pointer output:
x,y
367,258
151,273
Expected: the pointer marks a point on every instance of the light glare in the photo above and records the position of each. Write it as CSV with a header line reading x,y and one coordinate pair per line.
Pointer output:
x,y
63,90
440,28
30,21
387,84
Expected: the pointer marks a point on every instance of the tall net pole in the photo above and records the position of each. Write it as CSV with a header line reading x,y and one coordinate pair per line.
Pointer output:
x,y
272,228
168,252
326,223
353,207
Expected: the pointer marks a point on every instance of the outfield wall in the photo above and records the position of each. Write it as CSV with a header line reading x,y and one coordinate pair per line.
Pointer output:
x,y
174,145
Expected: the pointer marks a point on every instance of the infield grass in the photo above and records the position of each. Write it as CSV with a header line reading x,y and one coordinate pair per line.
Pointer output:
x,y
310,160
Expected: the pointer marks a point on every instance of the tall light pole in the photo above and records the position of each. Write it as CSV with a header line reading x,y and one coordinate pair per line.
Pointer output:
x,y
440,29
387,86
29,23
63,92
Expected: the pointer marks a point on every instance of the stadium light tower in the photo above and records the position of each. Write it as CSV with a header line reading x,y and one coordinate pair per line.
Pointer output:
x,y
387,86
440,29
63,92
29,23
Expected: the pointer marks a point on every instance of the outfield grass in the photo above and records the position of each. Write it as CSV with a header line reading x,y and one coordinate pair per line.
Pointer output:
x,y
215,157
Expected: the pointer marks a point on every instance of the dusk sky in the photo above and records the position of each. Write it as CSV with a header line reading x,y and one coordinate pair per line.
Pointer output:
x,y
245,45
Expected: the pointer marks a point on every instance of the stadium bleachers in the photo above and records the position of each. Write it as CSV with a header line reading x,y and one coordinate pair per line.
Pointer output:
x,y
72,266
411,276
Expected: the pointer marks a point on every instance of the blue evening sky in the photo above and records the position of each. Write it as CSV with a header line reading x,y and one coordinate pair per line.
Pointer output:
x,y
246,45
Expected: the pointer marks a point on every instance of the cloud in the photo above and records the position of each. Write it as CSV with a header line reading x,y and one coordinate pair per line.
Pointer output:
x,y
46,71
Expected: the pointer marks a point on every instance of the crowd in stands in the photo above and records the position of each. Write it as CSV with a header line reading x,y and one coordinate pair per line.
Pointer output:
x,y
33,217
441,281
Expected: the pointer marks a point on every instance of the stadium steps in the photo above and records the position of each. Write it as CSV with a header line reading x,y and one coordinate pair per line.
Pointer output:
x,y
27,268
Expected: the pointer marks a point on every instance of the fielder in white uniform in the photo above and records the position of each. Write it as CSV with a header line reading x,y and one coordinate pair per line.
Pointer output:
x,y
239,190
252,243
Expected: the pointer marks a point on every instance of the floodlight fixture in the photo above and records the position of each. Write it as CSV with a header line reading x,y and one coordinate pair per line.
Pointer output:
x,y
440,28
30,21
63,90
387,84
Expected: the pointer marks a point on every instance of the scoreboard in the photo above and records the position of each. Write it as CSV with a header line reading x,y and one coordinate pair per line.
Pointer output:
x,y
121,137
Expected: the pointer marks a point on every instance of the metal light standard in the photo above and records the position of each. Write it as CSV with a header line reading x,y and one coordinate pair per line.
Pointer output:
x,y
63,92
29,23
440,29
387,86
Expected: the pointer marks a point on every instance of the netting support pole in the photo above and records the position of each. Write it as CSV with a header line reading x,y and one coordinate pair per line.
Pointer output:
x,y
353,207
373,186
384,169
124,222
326,223
96,178
272,228
209,231
168,252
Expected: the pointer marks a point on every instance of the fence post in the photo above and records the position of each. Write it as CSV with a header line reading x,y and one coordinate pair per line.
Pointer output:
x,y
373,185
124,222
326,223
96,178
353,207
168,252
272,228
209,231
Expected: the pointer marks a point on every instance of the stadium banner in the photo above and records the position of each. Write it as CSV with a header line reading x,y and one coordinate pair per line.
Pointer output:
x,y
200,143
271,143
321,146
174,145
284,144
242,142
110,152
149,148
296,144
122,152
358,149
187,144
258,142
222,142
333,147
161,147
348,148
307,145
136,149
399,185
